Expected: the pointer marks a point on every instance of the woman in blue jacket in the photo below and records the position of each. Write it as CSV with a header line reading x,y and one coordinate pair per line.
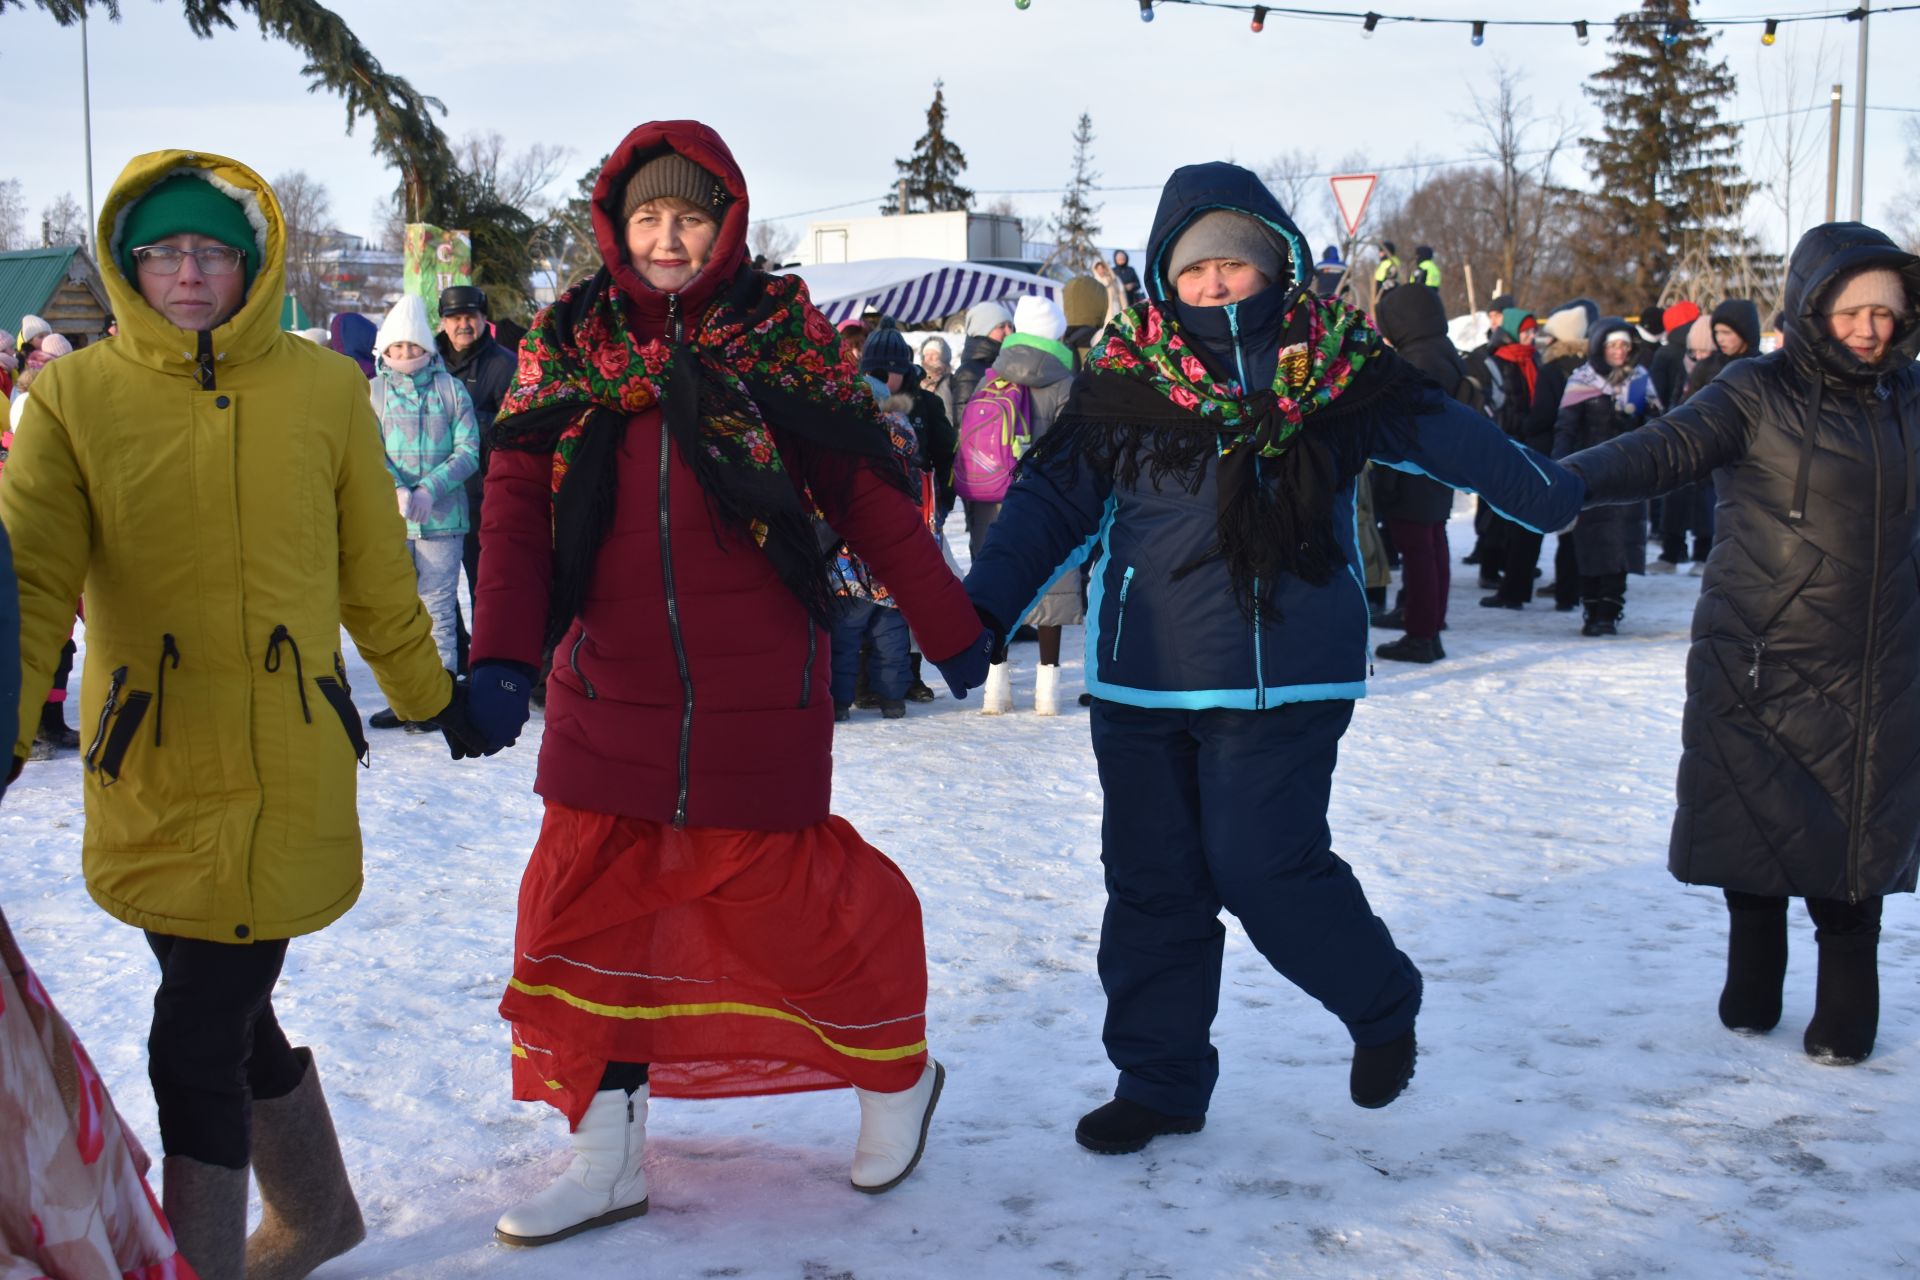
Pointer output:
x,y
1209,453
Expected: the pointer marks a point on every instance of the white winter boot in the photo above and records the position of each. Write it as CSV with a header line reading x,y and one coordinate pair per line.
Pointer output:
x,y
893,1131
996,698
605,1182
1046,690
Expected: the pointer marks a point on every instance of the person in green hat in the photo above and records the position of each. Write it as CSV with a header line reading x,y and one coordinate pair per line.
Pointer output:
x,y
187,220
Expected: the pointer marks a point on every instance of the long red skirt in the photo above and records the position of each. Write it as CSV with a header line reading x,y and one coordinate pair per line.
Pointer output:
x,y
733,962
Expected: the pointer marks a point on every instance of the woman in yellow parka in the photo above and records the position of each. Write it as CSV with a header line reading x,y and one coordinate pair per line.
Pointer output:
x,y
218,488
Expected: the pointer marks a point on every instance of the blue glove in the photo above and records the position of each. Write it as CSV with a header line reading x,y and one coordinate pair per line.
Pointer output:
x,y
1637,392
968,668
499,700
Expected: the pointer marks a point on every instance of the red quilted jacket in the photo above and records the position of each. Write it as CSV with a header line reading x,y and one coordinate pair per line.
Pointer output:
x,y
733,725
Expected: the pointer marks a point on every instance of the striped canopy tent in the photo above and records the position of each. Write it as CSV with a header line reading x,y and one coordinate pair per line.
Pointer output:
x,y
915,292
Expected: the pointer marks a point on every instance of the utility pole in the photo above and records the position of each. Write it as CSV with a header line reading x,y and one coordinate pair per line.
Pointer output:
x,y
1860,124
1833,156
86,115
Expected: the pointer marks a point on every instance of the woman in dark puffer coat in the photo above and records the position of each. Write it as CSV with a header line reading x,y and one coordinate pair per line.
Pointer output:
x,y
1606,397
1800,771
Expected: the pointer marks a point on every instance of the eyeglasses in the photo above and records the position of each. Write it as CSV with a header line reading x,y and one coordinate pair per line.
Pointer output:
x,y
164,259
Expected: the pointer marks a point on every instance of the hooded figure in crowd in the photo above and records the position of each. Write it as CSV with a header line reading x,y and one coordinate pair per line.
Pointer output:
x,y
218,487
694,921
352,334
1800,760
1209,455
1415,507
1733,333
1607,396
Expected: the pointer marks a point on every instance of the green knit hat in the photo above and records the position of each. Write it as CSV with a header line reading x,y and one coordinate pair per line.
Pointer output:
x,y
186,204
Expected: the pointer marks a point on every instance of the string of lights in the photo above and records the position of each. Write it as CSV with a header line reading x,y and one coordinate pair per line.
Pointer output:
x,y
1369,22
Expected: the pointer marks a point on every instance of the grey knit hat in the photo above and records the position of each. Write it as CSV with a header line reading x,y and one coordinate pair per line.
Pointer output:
x,y
1224,233
672,174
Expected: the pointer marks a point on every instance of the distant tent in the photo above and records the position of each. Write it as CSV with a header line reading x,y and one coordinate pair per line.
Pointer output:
x,y
915,291
293,315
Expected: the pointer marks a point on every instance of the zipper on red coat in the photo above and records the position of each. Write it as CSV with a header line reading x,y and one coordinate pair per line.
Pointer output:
x,y
1866,676
673,603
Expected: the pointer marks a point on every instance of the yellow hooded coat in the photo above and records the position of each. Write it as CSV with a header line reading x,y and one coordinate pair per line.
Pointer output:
x,y
222,537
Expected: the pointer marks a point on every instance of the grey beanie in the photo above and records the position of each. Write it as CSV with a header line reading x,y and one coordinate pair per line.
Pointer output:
x,y
1224,233
672,174
984,317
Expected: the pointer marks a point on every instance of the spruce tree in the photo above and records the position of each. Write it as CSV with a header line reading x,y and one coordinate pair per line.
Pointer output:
x,y
403,128
1074,227
932,173
1668,185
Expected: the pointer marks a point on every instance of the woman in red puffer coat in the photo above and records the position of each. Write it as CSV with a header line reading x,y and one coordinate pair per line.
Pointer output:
x,y
693,921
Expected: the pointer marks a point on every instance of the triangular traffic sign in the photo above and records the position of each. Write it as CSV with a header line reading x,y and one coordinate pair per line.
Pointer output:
x,y
1351,191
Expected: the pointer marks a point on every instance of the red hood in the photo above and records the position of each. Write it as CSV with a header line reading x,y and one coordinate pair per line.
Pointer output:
x,y
646,305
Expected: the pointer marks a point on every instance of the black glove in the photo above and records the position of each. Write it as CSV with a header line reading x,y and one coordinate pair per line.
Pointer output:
x,y
464,739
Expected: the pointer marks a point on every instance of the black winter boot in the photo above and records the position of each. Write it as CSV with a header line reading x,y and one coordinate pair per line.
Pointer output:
x,y
1121,1127
917,690
1603,616
1411,649
54,729
1381,1071
1846,1002
1756,965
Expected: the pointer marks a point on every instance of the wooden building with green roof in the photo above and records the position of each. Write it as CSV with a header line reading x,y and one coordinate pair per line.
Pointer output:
x,y
60,285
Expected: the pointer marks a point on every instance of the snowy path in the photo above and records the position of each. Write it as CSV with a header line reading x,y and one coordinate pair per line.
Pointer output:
x,y
1578,1111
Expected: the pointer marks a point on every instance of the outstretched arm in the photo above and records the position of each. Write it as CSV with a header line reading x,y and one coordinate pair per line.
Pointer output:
x,y
1710,430
1464,450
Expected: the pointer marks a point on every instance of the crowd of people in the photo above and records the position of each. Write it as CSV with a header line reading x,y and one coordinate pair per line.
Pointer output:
x,y
701,527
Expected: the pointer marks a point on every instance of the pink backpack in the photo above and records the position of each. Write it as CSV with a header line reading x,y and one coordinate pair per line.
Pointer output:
x,y
995,429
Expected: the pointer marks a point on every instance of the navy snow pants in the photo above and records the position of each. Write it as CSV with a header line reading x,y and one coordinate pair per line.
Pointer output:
x,y
1220,808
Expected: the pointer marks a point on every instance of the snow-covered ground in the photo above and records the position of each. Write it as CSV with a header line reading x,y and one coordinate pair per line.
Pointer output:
x,y
1578,1112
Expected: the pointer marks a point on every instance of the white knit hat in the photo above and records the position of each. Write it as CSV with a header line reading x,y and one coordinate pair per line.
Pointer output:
x,y
407,322
32,327
1871,287
1040,317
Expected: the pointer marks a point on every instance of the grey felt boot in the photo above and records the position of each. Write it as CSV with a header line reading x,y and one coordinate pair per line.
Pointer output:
x,y
206,1204
309,1211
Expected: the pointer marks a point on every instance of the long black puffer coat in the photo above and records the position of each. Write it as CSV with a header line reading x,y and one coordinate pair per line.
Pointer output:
x,y
1800,774
1610,539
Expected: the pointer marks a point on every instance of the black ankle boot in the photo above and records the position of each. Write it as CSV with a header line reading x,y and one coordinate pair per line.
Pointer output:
x,y
1756,967
1846,1003
54,728
1121,1127
1381,1071
1411,649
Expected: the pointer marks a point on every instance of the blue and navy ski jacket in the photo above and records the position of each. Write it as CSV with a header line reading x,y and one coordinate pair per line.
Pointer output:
x,y
1158,638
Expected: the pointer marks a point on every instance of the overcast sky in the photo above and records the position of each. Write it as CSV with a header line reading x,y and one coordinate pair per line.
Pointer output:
x,y
818,97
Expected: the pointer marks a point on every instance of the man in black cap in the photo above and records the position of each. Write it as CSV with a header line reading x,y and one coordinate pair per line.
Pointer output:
x,y
486,369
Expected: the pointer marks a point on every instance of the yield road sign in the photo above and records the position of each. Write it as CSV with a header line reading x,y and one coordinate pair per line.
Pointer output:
x,y
1351,191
